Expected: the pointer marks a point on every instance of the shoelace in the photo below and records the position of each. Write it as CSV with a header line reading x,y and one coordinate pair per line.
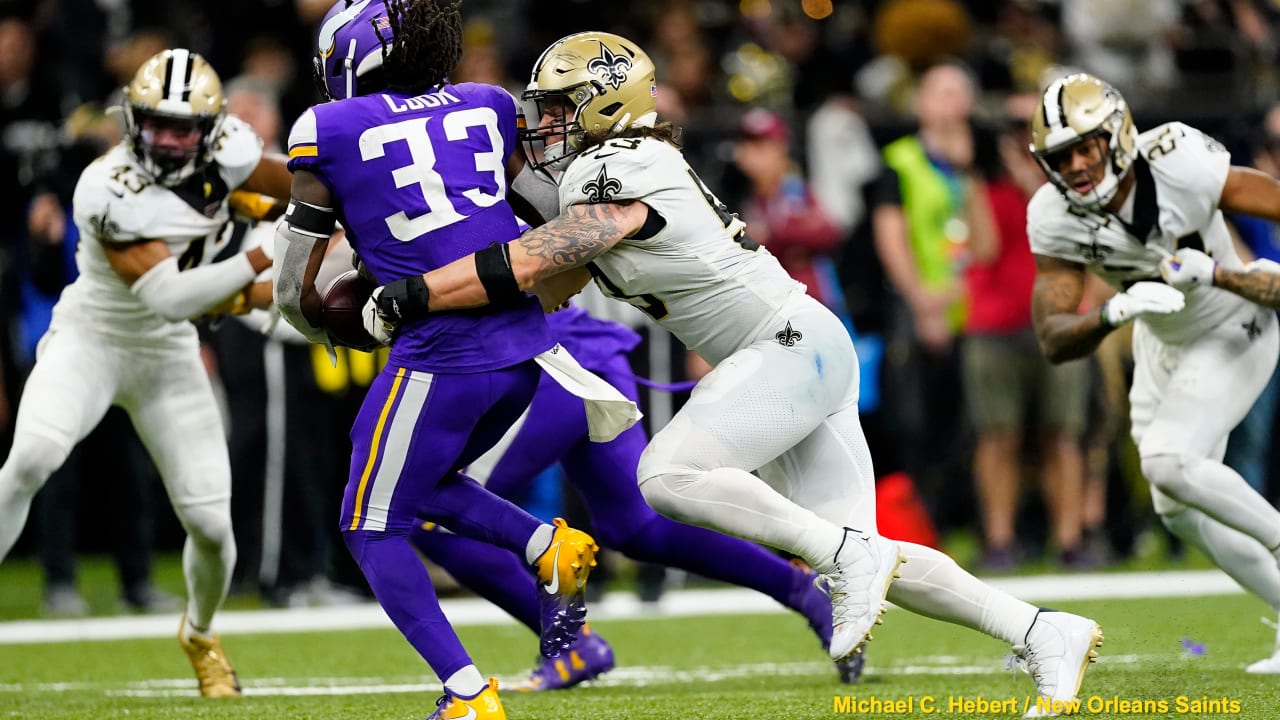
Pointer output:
x,y
1024,659
833,586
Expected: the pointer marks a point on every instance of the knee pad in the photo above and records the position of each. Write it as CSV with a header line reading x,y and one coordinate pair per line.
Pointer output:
x,y
208,523
1168,472
32,459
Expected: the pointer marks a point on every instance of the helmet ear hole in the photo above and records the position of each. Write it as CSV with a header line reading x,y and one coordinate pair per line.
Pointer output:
x,y
611,109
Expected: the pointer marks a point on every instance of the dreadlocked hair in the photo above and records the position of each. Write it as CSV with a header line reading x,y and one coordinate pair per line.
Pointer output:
x,y
426,43
664,131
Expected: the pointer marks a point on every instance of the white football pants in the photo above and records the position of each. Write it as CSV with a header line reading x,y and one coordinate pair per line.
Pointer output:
x,y
165,389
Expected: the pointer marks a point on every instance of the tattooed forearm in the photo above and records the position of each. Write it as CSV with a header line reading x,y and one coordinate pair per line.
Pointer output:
x,y
1259,286
1064,334
573,239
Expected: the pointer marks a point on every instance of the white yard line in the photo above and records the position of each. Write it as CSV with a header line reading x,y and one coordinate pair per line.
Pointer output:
x,y
624,676
615,606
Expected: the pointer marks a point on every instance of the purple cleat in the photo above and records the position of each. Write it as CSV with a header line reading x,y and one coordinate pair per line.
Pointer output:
x,y
809,601
586,658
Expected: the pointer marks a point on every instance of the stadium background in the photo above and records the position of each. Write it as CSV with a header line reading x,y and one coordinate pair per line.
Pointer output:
x,y
1209,63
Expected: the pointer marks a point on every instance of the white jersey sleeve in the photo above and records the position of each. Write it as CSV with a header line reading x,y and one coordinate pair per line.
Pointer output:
x,y
692,267
237,151
1190,168
107,206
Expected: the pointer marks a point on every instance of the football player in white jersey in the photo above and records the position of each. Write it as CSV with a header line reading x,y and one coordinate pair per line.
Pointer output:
x,y
1119,205
782,399
152,214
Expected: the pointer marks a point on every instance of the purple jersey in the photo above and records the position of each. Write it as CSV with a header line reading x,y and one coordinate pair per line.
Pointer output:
x,y
420,181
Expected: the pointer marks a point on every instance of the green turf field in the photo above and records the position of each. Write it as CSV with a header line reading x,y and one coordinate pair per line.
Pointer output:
x,y
723,667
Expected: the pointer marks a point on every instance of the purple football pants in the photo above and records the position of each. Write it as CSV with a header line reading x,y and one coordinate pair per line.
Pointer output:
x,y
413,432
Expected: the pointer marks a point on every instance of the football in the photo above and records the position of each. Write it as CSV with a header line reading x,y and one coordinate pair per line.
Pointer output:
x,y
340,308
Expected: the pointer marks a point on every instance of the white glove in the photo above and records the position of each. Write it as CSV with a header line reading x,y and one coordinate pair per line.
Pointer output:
x,y
375,324
1263,265
1144,298
1188,268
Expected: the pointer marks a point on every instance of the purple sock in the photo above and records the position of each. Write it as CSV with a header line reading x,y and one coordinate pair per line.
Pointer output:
x,y
495,574
404,590
462,505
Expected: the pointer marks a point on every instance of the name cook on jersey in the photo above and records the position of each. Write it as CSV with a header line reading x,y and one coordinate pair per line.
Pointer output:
x,y
420,102
1016,706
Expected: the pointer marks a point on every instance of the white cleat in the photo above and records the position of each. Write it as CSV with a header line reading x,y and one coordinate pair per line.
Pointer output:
x,y
1271,665
865,566
1055,653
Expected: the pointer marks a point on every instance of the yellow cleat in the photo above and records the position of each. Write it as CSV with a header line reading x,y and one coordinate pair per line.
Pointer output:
x,y
562,572
485,706
214,672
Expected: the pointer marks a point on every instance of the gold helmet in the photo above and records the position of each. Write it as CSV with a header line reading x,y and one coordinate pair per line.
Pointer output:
x,y
173,109
1079,108
606,83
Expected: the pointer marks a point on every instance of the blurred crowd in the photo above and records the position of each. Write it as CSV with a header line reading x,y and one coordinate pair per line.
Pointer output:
x,y
876,147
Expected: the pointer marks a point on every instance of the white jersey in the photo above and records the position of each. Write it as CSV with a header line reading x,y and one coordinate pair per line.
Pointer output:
x,y
1174,203
116,201
692,267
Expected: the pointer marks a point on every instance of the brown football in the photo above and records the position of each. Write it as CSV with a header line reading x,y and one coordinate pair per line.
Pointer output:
x,y
340,309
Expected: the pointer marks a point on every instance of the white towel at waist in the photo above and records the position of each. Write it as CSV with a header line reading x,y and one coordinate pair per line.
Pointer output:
x,y
609,412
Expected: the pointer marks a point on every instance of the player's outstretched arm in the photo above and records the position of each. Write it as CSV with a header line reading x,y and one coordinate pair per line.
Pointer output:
x,y
1257,282
503,272
1063,332
152,273
571,240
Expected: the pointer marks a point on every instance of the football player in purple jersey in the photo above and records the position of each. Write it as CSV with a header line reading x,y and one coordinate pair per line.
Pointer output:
x,y
417,169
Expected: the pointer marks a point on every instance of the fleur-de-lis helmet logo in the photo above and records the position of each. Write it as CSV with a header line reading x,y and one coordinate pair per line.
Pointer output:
x,y
603,188
613,68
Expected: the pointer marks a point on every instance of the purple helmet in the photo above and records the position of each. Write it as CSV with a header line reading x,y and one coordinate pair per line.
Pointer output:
x,y
354,39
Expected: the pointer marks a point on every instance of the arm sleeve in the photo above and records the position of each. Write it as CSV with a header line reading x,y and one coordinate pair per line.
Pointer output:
x,y
178,295
293,250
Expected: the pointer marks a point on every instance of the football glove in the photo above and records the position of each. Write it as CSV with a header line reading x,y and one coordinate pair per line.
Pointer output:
x,y
379,328
1143,298
1188,268
394,303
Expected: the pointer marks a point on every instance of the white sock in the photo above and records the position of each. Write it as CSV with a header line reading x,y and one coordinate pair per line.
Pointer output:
x,y
933,585
538,543
737,503
1239,555
465,683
